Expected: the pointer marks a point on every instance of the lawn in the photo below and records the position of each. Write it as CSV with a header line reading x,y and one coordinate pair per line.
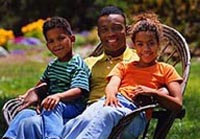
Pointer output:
x,y
188,127
20,73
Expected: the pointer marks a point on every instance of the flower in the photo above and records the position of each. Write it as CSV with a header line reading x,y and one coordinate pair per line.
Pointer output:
x,y
5,35
37,25
33,29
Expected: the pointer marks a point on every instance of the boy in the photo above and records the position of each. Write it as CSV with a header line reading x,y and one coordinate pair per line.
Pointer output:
x,y
68,80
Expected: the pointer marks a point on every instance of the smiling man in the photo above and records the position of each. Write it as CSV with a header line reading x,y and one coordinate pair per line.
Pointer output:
x,y
112,32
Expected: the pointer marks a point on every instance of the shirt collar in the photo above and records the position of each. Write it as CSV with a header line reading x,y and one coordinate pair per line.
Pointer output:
x,y
125,56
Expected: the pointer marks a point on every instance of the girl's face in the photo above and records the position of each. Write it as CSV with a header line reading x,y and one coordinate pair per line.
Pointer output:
x,y
60,43
147,48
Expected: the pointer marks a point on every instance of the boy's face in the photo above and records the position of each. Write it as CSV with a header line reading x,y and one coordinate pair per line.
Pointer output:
x,y
147,47
112,32
60,43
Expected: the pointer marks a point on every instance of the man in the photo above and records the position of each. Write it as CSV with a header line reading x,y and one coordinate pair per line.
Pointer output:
x,y
112,32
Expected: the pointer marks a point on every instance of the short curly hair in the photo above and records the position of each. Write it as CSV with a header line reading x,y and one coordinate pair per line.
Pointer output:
x,y
57,22
147,21
112,10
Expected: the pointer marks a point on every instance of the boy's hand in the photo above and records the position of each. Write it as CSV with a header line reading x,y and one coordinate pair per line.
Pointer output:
x,y
50,102
111,100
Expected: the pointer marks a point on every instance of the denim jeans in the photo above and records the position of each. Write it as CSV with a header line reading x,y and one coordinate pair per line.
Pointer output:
x,y
97,121
13,129
47,125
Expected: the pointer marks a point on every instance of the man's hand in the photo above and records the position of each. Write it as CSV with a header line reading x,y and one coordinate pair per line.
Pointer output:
x,y
28,99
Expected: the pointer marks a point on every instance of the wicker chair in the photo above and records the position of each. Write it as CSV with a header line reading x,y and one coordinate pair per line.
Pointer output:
x,y
174,51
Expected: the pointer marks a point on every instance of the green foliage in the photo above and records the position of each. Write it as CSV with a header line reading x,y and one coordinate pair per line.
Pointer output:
x,y
36,34
80,40
184,15
92,37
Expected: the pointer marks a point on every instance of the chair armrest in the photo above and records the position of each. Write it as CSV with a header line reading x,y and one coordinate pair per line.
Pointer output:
x,y
11,107
119,128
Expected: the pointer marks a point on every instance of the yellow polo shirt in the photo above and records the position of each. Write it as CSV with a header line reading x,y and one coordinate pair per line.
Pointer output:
x,y
100,67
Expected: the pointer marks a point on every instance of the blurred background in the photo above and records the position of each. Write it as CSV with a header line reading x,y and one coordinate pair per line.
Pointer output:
x,y
23,55
184,15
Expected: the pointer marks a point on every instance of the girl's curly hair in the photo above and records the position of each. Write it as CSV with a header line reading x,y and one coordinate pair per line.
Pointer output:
x,y
147,21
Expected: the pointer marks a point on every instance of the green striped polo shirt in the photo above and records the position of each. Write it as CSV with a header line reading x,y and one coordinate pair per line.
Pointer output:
x,y
62,76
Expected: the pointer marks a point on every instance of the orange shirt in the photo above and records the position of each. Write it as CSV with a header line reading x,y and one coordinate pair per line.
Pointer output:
x,y
155,76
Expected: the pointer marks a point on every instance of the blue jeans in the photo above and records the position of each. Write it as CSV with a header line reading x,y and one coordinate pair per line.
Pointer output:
x,y
46,125
97,121
13,129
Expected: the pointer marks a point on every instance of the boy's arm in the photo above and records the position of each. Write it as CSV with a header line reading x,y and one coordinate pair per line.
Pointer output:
x,y
111,91
51,101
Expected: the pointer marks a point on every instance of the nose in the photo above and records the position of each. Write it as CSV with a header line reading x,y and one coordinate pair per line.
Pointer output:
x,y
56,43
110,32
146,47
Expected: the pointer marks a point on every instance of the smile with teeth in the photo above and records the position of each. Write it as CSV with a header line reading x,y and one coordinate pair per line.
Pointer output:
x,y
146,54
112,40
58,49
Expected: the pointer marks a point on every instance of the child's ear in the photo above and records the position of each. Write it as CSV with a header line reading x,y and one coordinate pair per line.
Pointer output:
x,y
73,38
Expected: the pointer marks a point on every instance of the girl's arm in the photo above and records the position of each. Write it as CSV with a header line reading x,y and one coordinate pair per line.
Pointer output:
x,y
111,91
173,101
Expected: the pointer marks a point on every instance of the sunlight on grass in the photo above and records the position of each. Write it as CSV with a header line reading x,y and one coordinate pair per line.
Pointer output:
x,y
16,78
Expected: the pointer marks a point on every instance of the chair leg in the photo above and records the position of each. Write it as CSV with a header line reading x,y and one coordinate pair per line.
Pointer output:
x,y
164,125
146,130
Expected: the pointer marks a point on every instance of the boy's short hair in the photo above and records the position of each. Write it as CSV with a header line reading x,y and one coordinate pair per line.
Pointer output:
x,y
112,10
57,22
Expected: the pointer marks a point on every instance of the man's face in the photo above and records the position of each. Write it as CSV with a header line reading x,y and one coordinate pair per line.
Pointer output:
x,y
112,32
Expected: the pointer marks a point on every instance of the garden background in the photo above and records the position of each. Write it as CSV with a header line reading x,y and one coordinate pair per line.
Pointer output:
x,y
24,55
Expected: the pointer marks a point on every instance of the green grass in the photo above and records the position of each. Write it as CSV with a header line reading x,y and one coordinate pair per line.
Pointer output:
x,y
17,77
188,127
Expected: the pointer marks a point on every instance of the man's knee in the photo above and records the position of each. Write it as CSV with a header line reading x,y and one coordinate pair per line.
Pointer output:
x,y
111,114
30,122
